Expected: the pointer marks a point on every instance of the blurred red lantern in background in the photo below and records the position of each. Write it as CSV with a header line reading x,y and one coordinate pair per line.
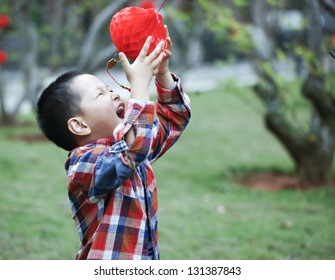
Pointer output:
x,y
148,4
4,21
130,27
3,57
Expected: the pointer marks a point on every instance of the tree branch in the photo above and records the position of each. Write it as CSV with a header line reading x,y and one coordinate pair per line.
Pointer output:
x,y
323,101
89,42
329,5
267,91
103,56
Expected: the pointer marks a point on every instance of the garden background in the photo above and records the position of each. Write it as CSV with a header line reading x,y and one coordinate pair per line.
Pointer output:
x,y
228,189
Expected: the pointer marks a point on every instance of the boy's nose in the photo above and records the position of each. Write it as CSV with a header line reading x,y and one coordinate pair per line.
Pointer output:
x,y
115,96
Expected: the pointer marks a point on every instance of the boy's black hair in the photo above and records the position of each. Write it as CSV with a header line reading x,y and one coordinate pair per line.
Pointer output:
x,y
57,104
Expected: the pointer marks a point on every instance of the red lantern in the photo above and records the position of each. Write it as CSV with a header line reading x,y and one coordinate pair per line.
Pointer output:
x,y
147,4
3,57
131,26
4,21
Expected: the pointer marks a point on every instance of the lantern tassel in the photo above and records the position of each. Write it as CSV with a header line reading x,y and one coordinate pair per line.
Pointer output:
x,y
110,64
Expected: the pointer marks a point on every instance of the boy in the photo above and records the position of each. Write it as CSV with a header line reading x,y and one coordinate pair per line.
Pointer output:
x,y
111,185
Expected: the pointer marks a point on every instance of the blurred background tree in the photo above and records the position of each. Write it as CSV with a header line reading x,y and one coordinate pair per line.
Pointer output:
x,y
50,35
284,31
4,24
46,37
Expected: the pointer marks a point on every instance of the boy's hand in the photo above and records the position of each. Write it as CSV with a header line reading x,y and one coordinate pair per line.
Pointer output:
x,y
163,75
141,71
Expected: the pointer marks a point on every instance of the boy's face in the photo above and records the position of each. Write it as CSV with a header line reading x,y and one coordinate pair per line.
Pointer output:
x,y
101,109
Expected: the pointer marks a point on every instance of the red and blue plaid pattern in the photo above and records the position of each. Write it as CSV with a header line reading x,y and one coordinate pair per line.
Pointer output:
x,y
112,188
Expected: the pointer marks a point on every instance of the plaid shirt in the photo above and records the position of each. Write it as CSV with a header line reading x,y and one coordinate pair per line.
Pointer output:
x,y
112,188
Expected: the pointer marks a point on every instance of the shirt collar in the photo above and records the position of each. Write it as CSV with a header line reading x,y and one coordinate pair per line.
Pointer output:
x,y
102,142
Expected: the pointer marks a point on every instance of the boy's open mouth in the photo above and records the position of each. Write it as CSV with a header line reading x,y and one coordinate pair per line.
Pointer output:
x,y
120,111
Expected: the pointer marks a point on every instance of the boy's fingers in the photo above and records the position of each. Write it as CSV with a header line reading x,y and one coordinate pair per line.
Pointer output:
x,y
124,61
169,43
168,53
167,30
145,48
156,51
158,60
168,38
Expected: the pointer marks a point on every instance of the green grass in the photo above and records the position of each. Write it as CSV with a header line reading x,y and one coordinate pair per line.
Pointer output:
x,y
203,214
36,222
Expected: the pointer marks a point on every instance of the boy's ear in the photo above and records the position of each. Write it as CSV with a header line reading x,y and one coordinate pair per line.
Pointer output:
x,y
78,126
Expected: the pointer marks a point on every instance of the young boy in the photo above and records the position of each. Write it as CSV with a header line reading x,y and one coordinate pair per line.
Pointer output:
x,y
111,185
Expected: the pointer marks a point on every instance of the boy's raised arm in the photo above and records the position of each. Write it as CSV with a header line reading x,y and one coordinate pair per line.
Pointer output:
x,y
136,128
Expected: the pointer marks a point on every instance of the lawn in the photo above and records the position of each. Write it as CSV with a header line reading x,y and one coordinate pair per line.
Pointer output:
x,y
203,213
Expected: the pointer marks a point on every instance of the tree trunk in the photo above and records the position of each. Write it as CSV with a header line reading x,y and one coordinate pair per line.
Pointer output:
x,y
314,166
5,117
56,9
29,55
314,170
311,151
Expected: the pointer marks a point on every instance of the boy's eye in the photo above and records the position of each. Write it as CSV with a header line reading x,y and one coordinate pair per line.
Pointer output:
x,y
109,88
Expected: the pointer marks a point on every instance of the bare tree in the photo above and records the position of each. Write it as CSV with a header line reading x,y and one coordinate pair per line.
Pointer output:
x,y
5,117
328,5
56,8
28,33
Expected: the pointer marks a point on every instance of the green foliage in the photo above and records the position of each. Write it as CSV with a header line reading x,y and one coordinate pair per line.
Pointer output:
x,y
84,6
240,3
228,30
4,7
178,15
276,3
314,65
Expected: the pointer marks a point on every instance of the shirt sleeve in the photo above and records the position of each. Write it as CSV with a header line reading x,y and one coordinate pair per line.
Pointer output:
x,y
110,171
153,137
173,109
140,117
96,172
